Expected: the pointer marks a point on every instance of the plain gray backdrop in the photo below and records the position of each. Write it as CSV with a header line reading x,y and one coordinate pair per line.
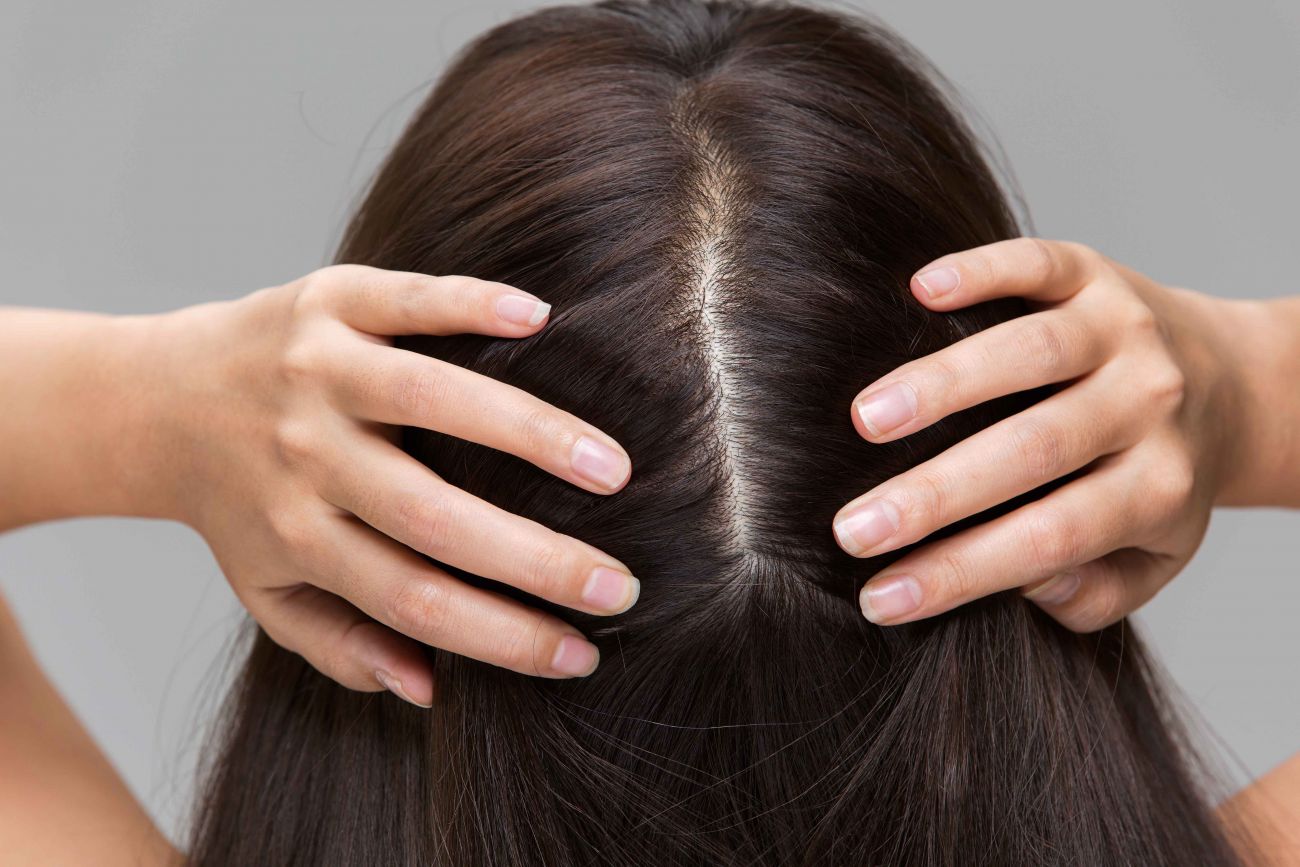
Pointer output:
x,y
159,154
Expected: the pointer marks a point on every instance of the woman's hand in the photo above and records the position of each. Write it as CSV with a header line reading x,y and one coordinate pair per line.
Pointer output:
x,y
1156,389
280,437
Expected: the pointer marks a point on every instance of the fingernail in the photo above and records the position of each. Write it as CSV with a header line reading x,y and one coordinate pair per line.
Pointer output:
x,y
393,685
575,657
888,408
939,281
522,310
610,590
599,463
867,526
1056,590
890,599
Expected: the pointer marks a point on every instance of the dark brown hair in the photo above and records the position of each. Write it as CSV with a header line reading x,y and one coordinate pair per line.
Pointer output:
x,y
724,202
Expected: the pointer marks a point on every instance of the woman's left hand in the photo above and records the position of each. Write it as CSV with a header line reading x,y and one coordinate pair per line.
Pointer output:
x,y
1152,386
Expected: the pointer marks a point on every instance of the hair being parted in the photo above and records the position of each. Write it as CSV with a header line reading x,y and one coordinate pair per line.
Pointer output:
x,y
723,201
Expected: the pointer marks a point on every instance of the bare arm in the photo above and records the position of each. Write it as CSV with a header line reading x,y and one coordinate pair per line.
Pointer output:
x,y
1267,464
268,424
76,438
1267,814
61,802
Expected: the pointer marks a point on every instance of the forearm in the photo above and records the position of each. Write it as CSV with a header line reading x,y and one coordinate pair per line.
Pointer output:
x,y
78,425
1265,440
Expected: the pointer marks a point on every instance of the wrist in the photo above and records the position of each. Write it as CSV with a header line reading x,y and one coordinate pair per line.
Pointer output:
x,y
1260,341
179,361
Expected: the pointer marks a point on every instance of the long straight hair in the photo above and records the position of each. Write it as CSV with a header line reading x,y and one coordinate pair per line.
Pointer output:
x,y
724,202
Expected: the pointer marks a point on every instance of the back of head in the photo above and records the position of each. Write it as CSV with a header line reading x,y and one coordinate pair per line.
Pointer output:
x,y
723,201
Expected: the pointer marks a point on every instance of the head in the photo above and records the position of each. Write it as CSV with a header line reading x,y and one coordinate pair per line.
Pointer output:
x,y
723,202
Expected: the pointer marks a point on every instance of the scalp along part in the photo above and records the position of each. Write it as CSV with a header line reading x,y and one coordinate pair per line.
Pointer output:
x,y
723,202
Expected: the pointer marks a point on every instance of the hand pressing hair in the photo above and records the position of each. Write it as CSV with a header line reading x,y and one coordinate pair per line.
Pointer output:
x,y
285,412
1152,380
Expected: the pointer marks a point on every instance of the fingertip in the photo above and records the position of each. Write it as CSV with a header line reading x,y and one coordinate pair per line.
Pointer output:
x,y
602,465
935,285
1056,590
522,311
574,656
398,664
892,600
408,690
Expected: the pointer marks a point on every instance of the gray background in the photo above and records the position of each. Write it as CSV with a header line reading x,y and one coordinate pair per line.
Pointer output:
x,y
158,154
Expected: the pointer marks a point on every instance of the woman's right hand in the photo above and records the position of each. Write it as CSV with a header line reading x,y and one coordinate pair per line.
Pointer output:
x,y
283,413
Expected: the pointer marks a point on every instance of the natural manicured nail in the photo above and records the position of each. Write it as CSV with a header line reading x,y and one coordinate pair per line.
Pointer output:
x,y
575,657
1056,590
939,281
611,590
890,599
522,310
884,410
393,685
599,464
866,526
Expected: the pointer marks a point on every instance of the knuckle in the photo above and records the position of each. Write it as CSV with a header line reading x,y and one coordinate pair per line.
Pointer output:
x,y
1141,319
300,361
931,493
1044,343
942,377
295,442
464,293
1082,251
551,572
1168,386
1041,447
1051,541
959,580
522,648
323,283
458,298
425,521
418,608
417,392
1038,259
1174,484
538,431
309,297
292,530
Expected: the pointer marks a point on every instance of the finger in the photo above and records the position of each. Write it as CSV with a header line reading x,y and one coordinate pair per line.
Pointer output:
x,y
401,498
397,588
394,386
1079,522
1045,271
347,646
1010,457
1039,349
1099,593
399,302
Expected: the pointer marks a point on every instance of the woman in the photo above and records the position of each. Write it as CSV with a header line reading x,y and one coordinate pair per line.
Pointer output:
x,y
724,220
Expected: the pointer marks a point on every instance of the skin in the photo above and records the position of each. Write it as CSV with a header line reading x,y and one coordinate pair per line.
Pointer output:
x,y
268,425
1172,402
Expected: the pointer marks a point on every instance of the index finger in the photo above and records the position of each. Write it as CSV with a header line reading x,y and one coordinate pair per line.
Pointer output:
x,y
1046,271
392,303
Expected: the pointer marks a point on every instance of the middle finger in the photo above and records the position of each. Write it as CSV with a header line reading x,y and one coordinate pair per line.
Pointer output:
x,y
402,498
